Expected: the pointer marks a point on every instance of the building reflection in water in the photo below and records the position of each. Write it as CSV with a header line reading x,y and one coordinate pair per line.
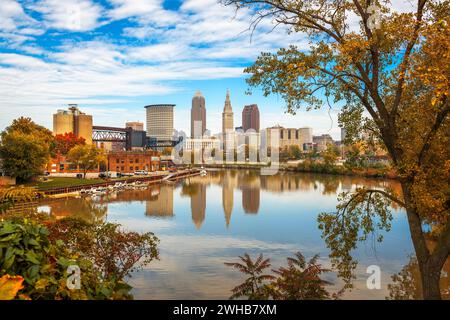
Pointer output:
x,y
250,185
229,182
198,205
250,199
160,201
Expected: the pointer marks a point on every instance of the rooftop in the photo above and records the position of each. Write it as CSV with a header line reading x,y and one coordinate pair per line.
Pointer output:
x,y
159,105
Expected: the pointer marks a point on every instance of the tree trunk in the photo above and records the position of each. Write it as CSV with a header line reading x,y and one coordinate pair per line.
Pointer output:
x,y
430,275
429,266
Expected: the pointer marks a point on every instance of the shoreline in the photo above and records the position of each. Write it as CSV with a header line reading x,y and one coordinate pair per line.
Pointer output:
x,y
370,173
73,190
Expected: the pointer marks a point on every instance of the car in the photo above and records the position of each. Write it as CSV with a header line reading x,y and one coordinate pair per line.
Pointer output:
x,y
141,173
126,174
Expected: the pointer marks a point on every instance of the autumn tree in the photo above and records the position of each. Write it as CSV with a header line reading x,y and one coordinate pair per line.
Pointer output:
x,y
25,149
299,280
87,157
330,154
253,286
392,74
65,142
295,152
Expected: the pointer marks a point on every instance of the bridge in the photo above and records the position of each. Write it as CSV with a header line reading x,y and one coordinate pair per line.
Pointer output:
x,y
112,134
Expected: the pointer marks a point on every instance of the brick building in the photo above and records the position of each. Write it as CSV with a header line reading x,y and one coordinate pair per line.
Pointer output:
x,y
131,161
59,166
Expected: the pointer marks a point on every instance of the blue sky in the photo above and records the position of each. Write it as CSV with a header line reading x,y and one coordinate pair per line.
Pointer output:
x,y
113,57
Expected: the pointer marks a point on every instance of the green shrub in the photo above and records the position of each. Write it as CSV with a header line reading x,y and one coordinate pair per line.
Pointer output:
x,y
32,250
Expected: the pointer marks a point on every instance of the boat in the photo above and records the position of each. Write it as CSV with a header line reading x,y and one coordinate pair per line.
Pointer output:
x,y
203,173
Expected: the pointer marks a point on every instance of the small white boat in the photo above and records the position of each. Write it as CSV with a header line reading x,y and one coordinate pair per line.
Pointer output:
x,y
203,173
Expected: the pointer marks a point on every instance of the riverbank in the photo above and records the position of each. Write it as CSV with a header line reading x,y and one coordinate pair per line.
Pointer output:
x,y
384,173
72,189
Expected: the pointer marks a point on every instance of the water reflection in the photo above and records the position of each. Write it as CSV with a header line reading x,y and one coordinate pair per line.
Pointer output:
x,y
205,221
159,199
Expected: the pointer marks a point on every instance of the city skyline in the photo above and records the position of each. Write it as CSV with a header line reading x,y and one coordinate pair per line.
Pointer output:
x,y
237,119
116,58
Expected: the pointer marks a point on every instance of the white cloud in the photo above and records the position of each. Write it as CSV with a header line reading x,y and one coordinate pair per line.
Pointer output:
x,y
71,15
159,52
11,15
146,11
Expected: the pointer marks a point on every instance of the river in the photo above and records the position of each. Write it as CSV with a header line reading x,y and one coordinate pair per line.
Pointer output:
x,y
203,222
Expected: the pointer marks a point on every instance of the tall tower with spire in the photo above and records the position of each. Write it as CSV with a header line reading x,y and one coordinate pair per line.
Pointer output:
x,y
227,115
198,115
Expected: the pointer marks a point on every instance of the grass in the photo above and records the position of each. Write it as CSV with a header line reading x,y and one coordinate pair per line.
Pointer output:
x,y
59,182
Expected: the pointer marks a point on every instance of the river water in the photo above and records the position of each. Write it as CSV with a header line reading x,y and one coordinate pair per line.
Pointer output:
x,y
203,222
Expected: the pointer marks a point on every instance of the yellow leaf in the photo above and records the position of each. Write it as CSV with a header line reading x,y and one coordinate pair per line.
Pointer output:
x,y
9,286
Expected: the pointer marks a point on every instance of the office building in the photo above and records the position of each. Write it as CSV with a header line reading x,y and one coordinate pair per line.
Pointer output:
x,y
322,142
290,137
250,118
201,144
160,122
73,121
198,116
227,115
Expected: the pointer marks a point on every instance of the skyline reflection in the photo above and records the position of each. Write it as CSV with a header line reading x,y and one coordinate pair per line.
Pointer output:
x,y
159,199
205,221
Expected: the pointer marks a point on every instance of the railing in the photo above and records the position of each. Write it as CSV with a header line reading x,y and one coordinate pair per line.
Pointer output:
x,y
22,207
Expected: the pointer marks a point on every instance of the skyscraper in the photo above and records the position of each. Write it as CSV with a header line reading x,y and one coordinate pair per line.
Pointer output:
x,y
198,116
250,118
73,121
227,115
160,121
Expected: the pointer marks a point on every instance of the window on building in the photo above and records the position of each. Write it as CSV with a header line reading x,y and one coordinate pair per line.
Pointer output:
x,y
117,160
117,168
131,168
122,168
137,160
296,134
281,134
61,167
131,160
136,168
289,134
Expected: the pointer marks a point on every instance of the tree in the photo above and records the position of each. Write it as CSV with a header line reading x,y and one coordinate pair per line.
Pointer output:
x,y
353,156
330,154
65,142
398,72
300,280
25,149
167,151
252,287
87,157
295,152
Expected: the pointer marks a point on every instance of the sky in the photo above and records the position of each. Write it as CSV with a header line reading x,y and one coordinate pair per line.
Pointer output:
x,y
113,57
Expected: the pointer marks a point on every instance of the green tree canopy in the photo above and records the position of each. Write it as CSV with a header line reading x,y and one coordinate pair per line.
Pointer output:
x,y
25,148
